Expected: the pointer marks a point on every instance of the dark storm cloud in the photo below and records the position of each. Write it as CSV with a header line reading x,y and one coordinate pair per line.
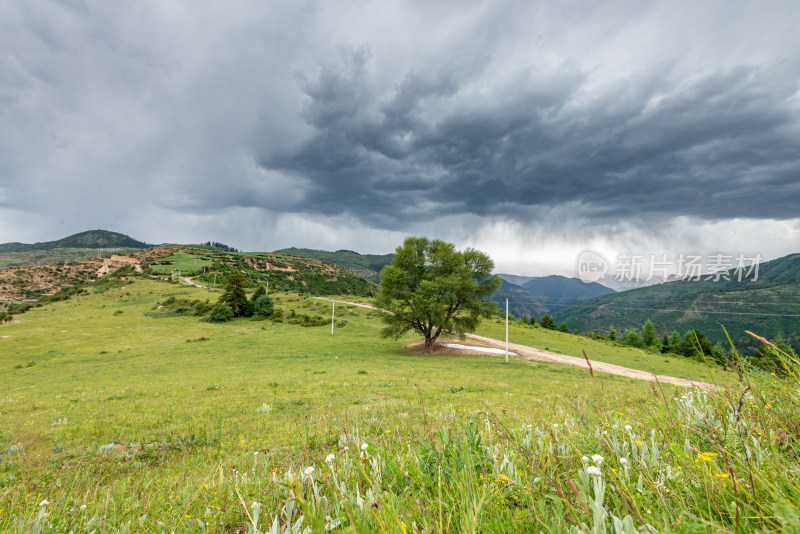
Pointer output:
x,y
723,144
295,119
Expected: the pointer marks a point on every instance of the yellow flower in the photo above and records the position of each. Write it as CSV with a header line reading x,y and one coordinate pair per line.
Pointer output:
x,y
722,475
638,442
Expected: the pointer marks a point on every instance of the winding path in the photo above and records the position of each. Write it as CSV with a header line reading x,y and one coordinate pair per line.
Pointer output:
x,y
531,353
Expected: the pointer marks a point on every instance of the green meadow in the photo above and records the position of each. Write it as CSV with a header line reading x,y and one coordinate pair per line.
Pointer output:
x,y
116,416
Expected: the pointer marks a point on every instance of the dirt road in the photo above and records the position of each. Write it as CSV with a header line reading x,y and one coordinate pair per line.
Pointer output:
x,y
530,353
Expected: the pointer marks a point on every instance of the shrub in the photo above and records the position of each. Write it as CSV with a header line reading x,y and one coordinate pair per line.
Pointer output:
x,y
632,338
263,306
220,313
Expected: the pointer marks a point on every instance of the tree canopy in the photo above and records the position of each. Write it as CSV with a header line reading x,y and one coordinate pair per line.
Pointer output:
x,y
234,295
432,288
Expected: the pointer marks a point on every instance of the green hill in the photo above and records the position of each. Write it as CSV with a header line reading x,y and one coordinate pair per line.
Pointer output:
x,y
367,265
520,301
283,272
90,239
769,306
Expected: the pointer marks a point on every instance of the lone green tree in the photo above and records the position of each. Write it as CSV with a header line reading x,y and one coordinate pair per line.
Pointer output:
x,y
432,288
234,295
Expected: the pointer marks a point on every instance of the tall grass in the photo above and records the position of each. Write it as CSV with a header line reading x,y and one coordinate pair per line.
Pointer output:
x,y
696,462
279,428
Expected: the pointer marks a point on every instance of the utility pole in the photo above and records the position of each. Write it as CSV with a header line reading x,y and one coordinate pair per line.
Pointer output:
x,y
506,330
333,313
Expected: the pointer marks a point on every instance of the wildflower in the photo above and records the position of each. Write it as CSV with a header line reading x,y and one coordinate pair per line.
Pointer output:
x,y
722,475
255,453
594,471
330,458
364,446
637,442
584,459
309,470
706,456
83,507
628,428
44,503
596,458
623,461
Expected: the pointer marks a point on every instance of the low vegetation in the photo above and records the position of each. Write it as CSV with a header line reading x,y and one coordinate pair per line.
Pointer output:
x,y
137,403
128,422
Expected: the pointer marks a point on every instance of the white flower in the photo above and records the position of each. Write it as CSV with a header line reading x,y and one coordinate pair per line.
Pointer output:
x,y
605,432
347,448
330,458
83,507
309,470
585,459
596,458
555,425
623,461
255,453
44,503
364,446
628,428
594,471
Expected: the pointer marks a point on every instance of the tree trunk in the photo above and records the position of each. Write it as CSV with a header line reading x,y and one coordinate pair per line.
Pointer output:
x,y
430,340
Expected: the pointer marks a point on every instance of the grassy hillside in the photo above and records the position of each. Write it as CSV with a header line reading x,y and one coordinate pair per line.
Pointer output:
x,y
116,418
55,256
282,272
367,265
140,416
23,287
769,306
91,239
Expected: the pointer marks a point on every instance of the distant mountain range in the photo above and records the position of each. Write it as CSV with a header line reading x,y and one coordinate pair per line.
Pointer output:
x,y
91,239
520,300
558,290
769,306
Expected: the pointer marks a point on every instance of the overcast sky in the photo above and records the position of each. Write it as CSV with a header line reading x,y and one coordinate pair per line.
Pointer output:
x,y
530,130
